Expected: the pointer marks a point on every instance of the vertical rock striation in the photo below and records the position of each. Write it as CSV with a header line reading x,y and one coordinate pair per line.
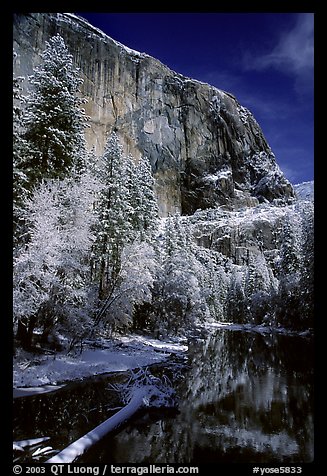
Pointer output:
x,y
204,147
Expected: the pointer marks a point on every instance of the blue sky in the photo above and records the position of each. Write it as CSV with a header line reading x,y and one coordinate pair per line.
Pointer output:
x,y
264,59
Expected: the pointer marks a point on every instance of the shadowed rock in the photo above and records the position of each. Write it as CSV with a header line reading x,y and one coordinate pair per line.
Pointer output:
x,y
204,147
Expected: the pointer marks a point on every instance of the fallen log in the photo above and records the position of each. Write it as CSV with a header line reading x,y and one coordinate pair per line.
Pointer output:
x,y
142,390
71,452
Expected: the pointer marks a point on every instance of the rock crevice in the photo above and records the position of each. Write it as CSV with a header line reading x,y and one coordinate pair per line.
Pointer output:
x,y
204,147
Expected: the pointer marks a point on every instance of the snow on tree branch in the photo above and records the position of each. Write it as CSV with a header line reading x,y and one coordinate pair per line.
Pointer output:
x,y
143,390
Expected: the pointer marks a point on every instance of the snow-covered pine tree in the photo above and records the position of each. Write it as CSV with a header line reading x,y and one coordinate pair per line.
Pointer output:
x,y
176,235
145,205
260,289
113,227
294,304
126,214
178,302
290,251
214,280
306,283
237,305
169,245
54,120
19,152
287,308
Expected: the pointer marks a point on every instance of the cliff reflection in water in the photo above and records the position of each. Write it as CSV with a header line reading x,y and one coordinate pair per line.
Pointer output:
x,y
245,397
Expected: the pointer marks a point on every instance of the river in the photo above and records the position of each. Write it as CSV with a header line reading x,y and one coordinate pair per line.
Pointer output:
x,y
243,397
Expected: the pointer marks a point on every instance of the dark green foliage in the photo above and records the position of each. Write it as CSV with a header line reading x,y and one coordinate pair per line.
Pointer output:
x,y
53,119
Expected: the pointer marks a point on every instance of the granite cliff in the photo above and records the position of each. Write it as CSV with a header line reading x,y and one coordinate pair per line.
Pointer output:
x,y
205,148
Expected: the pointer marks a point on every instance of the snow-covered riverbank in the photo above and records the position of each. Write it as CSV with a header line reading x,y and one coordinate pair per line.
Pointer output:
x,y
101,356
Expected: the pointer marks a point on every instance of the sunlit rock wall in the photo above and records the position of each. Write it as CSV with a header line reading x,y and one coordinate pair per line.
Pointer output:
x,y
204,147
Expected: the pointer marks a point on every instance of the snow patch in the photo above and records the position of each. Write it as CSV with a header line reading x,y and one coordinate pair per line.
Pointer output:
x,y
175,346
243,114
304,190
224,174
32,442
125,353
143,390
27,392
136,55
100,33
259,328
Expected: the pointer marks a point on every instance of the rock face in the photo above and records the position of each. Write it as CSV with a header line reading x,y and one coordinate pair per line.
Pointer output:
x,y
242,235
204,147
304,191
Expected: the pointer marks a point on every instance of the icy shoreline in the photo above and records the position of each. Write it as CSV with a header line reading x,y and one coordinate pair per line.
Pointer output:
x,y
46,373
35,374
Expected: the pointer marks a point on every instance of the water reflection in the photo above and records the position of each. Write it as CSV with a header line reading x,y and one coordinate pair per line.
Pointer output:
x,y
66,414
245,397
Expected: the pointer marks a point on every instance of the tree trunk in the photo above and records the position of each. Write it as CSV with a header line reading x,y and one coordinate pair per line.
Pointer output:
x,y
22,334
25,331
71,452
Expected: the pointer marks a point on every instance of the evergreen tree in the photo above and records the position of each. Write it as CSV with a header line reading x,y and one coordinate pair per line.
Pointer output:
x,y
260,289
237,305
144,202
19,152
287,306
214,280
306,282
290,250
179,302
113,228
294,306
54,121
18,149
176,235
126,210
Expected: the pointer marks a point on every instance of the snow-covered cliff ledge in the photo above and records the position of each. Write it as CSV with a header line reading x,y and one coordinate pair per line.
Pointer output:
x,y
189,130
305,190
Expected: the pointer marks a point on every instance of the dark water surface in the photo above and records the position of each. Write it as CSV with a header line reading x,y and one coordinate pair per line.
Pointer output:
x,y
243,397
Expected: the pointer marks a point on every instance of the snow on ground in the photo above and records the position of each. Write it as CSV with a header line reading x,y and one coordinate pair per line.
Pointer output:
x,y
259,328
305,190
28,391
175,345
125,353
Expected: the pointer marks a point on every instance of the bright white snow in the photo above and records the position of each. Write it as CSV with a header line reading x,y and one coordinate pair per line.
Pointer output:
x,y
143,390
26,392
102,35
304,190
121,354
222,174
77,448
259,328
